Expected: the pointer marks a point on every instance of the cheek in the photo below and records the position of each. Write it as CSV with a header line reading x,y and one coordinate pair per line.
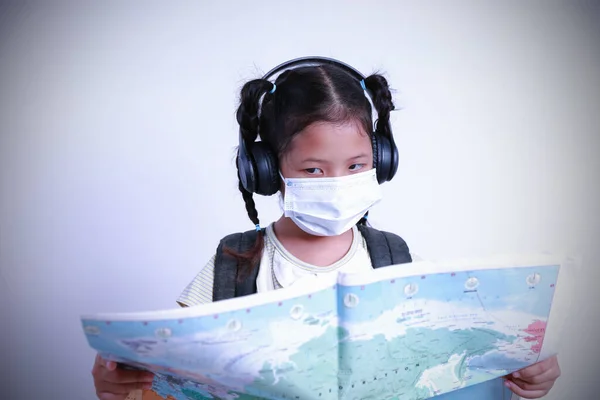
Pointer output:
x,y
283,163
371,159
286,168
283,170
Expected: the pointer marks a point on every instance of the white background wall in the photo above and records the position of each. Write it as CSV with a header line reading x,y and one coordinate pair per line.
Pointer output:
x,y
117,137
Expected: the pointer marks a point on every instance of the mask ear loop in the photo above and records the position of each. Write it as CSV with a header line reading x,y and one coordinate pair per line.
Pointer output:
x,y
364,220
282,195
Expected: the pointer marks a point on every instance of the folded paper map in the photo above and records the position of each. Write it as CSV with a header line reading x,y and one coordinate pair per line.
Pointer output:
x,y
410,331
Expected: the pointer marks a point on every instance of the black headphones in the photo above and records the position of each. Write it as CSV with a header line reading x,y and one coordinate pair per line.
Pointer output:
x,y
257,164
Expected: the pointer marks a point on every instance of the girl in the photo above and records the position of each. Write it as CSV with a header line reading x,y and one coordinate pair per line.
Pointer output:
x,y
319,150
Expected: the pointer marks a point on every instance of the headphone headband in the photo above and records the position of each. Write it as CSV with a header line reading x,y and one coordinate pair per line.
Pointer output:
x,y
314,60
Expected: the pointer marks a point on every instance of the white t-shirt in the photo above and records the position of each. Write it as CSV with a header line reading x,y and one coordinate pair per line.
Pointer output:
x,y
280,269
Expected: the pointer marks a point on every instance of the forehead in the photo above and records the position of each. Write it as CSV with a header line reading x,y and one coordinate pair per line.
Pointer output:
x,y
327,140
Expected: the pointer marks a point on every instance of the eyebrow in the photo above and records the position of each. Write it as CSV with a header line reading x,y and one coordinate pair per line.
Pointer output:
x,y
319,160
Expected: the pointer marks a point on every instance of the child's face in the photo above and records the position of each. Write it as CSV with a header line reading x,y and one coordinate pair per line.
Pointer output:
x,y
324,149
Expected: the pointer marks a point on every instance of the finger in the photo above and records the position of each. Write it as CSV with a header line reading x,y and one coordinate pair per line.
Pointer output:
x,y
526,394
109,365
122,388
549,375
121,376
538,369
546,385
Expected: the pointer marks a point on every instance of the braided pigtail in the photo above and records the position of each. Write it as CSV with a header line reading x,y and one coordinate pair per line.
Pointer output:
x,y
248,116
381,97
382,100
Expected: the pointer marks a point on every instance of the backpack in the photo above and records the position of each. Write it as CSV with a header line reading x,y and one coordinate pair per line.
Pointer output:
x,y
384,248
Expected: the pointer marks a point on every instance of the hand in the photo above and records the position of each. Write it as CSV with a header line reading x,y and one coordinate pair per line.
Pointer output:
x,y
534,381
114,383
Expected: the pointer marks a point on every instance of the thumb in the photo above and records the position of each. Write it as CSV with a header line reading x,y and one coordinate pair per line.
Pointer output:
x,y
110,365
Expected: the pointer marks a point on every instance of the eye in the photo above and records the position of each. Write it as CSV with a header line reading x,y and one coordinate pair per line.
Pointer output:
x,y
314,171
356,167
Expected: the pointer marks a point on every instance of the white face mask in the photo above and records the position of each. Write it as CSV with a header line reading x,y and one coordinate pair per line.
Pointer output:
x,y
330,206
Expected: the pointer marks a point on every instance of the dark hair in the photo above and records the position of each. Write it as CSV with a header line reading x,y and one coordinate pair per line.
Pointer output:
x,y
303,96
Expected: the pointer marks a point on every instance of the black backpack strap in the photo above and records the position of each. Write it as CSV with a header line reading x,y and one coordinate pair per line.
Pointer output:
x,y
385,248
226,285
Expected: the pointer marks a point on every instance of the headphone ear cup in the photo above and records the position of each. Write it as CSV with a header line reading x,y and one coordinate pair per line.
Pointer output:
x,y
385,157
246,171
267,170
379,166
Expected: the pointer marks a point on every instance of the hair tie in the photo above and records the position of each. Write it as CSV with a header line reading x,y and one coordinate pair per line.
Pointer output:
x,y
363,85
274,88
258,228
366,216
